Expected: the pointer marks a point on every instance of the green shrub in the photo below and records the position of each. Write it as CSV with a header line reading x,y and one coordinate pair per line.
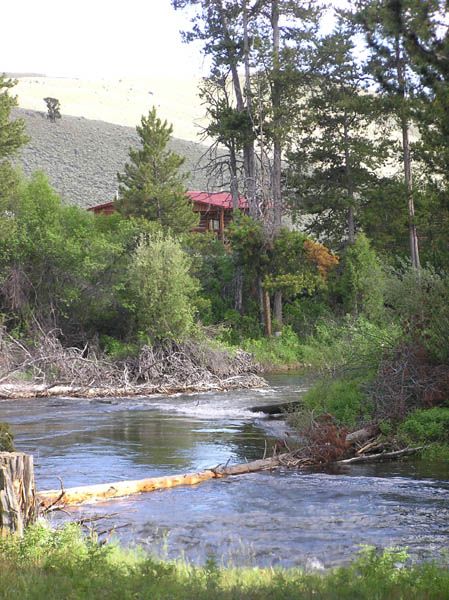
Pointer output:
x,y
354,344
425,426
436,452
362,281
213,267
162,291
303,314
344,399
419,300
6,438
117,349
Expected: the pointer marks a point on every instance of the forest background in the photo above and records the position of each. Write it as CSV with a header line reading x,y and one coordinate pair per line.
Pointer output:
x,y
339,143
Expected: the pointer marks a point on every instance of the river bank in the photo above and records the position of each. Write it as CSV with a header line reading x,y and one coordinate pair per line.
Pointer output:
x,y
64,564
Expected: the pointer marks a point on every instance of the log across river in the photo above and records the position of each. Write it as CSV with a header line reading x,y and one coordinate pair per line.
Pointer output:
x,y
119,489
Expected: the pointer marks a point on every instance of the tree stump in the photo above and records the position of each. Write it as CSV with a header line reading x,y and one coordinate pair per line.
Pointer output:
x,y
17,492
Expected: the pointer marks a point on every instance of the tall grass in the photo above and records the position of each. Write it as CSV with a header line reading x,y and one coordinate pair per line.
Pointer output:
x,y
64,565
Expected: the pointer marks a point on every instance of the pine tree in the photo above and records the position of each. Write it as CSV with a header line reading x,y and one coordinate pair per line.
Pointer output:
x,y
423,26
340,142
12,136
390,63
222,27
152,186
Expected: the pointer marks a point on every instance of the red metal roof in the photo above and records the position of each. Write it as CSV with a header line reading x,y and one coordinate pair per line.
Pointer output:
x,y
220,199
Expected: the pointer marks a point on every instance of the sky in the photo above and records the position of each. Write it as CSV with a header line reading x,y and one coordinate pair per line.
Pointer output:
x,y
97,39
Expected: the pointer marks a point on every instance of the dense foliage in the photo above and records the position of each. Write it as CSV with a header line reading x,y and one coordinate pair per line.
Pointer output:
x,y
352,281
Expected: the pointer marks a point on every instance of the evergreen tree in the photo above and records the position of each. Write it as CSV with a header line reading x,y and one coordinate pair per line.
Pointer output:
x,y
423,26
12,137
152,186
222,27
340,142
390,63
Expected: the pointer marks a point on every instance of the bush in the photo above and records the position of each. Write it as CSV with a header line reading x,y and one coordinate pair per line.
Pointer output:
x,y
6,438
213,267
350,344
163,293
344,399
425,426
419,300
276,351
362,282
303,314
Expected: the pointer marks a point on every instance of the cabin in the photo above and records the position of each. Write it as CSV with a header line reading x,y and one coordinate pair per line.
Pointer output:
x,y
215,210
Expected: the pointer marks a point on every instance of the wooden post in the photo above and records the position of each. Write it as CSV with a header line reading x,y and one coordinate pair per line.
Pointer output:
x,y
17,492
222,224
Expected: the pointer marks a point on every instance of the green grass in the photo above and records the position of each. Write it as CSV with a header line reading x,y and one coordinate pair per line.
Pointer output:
x,y
63,565
281,351
343,398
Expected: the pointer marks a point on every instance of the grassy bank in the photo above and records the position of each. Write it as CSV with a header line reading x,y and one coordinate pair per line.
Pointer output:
x,y
63,564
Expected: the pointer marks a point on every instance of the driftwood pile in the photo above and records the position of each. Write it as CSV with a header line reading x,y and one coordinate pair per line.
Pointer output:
x,y
168,367
407,380
324,443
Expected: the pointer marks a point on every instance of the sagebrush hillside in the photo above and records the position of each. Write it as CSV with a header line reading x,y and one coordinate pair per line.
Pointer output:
x,y
81,157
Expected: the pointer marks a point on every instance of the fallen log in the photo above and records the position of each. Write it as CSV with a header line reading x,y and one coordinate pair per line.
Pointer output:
x,y
380,456
17,492
362,435
276,409
118,489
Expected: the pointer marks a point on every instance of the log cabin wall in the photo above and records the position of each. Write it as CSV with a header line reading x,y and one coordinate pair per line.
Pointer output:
x,y
214,209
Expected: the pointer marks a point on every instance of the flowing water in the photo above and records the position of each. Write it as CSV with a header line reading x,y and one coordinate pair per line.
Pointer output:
x,y
280,518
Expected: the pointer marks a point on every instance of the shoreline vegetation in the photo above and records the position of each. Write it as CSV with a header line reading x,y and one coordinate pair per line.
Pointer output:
x,y
65,563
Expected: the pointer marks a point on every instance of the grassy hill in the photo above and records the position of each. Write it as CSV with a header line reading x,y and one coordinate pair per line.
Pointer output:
x,y
82,157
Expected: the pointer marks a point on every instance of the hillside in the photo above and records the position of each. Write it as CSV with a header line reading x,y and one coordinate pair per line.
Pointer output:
x,y
82,157
120,101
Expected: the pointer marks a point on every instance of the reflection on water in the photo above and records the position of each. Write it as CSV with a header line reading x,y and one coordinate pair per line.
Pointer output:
x,y
265,518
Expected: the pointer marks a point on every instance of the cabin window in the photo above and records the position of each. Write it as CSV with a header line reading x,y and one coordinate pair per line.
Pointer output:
x,y
214,224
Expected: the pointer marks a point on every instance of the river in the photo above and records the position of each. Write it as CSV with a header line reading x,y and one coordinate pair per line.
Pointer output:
x,y
283,518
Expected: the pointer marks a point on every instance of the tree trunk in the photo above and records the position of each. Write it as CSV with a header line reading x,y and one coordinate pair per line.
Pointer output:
x,y
277,311
267,312
406,157
17,492
117,489
248,150
349,185
276,103
238,298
